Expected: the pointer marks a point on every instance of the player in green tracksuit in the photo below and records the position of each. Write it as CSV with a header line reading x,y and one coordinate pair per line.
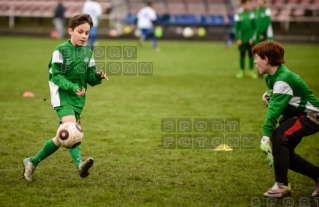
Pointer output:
x,y
71,68
263,30
299,110
263,27
244,31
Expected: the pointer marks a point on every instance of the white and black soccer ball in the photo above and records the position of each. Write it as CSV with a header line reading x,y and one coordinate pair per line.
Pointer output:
x,y
266,97
70,135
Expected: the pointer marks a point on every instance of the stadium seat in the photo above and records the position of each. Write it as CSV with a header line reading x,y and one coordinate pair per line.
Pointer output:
x,y
4,9
292,2
185,12
176,8
305,1
298,12
196,7
280,2
274,13
217,9
284,15
43,8
212,20
160,7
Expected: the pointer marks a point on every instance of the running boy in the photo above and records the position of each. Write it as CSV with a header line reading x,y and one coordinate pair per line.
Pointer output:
x,y
299,108
146,19
244,31
71,68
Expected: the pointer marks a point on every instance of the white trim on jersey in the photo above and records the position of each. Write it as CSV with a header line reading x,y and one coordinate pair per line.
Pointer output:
x,y
236,18
268,12
54,92
282,87
310,108
92,62
269,31
57,57
294,101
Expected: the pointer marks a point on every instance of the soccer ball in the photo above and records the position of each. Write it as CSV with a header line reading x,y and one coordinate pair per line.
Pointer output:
x,y
137,33
69,135
266,97
188,32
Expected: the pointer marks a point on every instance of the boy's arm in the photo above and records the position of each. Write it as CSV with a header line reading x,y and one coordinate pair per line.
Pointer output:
x,y
58,73
252,18
279,100
254,23
237,27
93,78
265,24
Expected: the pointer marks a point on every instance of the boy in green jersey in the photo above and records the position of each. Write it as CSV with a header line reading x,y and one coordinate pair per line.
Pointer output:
x,y
263,30
244,32
71,68
299,110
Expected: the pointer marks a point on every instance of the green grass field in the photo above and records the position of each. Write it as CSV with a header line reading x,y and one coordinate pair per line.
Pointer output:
x,y
122,124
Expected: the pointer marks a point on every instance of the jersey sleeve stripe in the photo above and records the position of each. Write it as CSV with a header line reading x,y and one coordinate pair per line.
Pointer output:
x,y
236,17
57,57
54,91
282,87
268,12
92,62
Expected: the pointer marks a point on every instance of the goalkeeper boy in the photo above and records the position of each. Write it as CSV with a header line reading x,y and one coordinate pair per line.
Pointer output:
x,y
299,108
71,68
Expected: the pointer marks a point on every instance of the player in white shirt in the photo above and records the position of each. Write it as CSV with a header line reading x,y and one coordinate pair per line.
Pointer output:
x,y
94,9
146,18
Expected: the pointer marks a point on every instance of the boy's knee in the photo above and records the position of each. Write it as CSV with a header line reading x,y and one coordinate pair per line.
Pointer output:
x,y
278,137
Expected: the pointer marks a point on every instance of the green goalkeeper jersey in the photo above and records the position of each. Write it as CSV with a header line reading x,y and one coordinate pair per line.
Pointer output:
x,y
71,68
291,96
263,24
244,26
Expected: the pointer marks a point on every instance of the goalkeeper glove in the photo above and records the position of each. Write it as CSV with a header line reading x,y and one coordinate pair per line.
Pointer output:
x,y
265,147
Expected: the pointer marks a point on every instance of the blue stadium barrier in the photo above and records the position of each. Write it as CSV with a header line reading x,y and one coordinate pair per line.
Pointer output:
x,y
231,20
130,19
186,20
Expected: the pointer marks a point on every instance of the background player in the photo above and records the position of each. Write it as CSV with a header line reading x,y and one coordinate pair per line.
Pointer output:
x,y
146,18
263,27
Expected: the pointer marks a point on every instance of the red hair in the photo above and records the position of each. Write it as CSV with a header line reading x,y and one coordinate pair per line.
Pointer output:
x,y
274,51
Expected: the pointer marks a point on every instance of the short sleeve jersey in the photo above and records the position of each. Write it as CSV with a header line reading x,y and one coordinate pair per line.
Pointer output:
x,y
145,17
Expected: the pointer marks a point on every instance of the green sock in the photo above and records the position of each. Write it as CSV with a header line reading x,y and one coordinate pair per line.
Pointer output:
x,y
48,149
76,155
242,63
251,63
